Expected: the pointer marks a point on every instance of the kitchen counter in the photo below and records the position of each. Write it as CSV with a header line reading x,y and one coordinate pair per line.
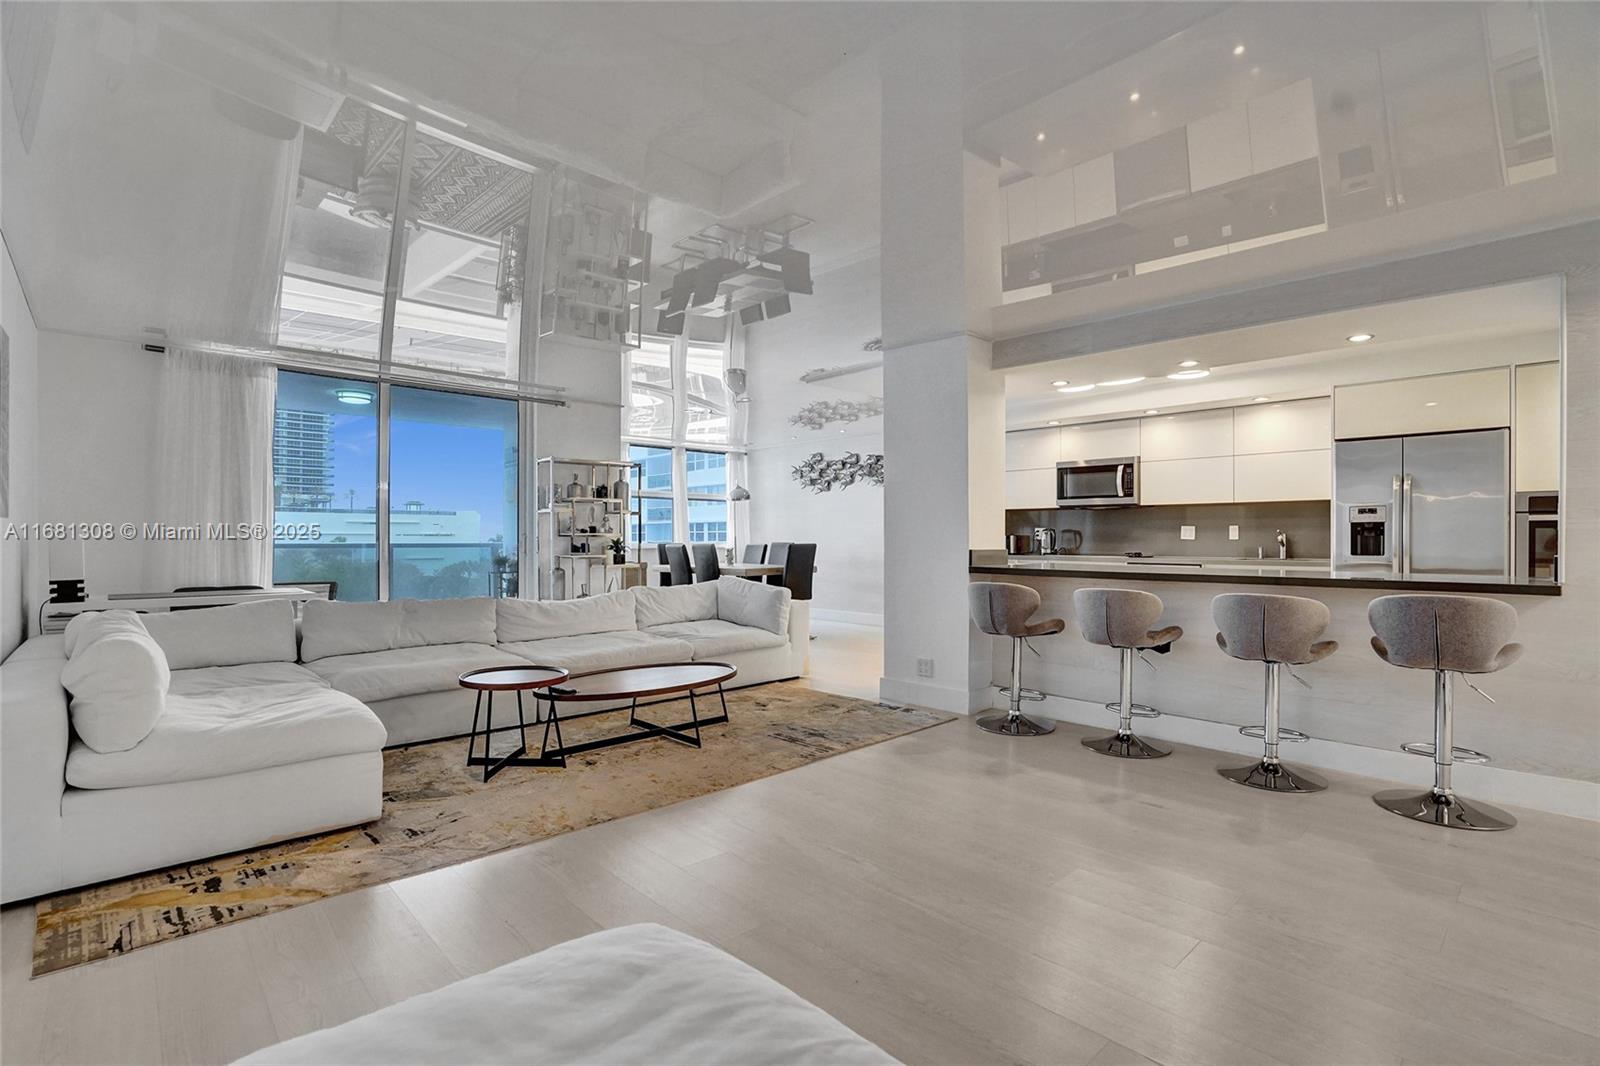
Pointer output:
x,y
1301,572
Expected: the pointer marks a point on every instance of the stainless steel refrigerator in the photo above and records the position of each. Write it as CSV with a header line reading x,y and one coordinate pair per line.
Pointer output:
x,y
1431,504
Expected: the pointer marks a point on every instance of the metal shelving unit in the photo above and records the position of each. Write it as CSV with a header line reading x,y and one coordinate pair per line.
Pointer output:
x,y
565,523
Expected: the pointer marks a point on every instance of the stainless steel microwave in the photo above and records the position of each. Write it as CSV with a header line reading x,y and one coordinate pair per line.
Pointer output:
x,y
1098,482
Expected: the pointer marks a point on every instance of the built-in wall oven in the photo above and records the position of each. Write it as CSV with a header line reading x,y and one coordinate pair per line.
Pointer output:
x,y
1098,482
1538,555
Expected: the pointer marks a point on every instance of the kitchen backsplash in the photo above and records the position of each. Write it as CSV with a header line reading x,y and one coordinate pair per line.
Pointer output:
x,y
1155,530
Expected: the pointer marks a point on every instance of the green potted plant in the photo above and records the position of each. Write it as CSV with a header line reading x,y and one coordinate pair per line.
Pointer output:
x,y
619,550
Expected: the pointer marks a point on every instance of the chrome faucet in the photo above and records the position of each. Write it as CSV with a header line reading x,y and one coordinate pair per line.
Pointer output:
x,y
1283,544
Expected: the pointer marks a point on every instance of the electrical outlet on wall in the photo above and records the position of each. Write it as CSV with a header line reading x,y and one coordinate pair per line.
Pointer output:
x,y
1233,532
1185,532
924,667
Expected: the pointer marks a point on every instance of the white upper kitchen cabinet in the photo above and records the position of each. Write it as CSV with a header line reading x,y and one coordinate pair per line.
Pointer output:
x,y
1438,403
1291,426
1100,440
1094,189
1283,127
1056,210
1195,435
1031,490
1219,148
1536,433
1186,481
1022,210
1274,476
1031,449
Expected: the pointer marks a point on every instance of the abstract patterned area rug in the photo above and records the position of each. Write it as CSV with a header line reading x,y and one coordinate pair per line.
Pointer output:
x,y
437,812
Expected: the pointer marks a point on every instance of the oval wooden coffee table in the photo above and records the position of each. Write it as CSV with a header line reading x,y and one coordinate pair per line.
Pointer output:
x,y
518,679
634,683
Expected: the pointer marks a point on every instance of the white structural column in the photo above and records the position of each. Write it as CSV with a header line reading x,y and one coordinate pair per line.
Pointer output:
x,y
944,407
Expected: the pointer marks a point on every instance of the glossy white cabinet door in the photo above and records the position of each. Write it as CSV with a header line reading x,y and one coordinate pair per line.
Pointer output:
x,y
1439,403
1094,189
1029,449
1022,210
1291,426
1031,490
1538,427
1283,476
1283,127
1056,210
1195,435
1219,148
1100,440
1186,481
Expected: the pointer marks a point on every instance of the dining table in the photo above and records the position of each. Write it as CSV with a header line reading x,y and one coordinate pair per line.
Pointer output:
x,y
751,570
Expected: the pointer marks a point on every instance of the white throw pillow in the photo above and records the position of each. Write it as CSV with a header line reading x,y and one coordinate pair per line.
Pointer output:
x,y
328,627
259,632
90,626
118,682
675,603
465,621
753,603
517,620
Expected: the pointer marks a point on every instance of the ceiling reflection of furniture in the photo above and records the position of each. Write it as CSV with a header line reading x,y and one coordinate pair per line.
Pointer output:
x,y
727,270
576,525
597,260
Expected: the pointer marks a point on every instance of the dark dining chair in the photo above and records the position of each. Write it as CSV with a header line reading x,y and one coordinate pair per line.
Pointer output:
x,y
777,552
754,553
676,558
799,561
706,566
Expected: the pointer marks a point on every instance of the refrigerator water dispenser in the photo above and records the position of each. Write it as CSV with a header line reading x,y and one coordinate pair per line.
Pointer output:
x,y
1367,524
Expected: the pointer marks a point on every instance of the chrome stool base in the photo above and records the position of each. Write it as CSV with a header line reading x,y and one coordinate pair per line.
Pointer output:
x,y
1446,809
1124,746
1018,725
1273,777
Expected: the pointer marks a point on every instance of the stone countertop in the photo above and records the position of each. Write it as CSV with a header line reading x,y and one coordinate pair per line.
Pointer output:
x,y
1302,572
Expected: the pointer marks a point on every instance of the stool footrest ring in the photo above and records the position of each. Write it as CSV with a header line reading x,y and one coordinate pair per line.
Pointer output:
x,y
1425,747
1285,736
1032,694
1139,710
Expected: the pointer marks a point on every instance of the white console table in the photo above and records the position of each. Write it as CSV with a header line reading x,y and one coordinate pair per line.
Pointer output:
x,y
55,616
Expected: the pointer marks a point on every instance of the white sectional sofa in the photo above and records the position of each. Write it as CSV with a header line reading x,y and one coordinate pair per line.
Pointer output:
x,y
257,735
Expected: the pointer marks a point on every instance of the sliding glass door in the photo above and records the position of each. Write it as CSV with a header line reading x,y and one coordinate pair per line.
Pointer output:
x,y
450,463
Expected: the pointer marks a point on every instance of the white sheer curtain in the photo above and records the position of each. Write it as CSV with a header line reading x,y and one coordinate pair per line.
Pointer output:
x,y
214,465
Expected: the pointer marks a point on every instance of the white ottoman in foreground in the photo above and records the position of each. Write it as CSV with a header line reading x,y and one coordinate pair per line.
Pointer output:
x,y
638,994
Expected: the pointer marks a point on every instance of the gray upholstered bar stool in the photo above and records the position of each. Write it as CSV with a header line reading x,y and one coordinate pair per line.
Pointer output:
x,y
1278,631
1124,619
1006,610
1449,635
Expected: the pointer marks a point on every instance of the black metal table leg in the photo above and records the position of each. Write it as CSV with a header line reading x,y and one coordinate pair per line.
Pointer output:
x,y
473,736
522,727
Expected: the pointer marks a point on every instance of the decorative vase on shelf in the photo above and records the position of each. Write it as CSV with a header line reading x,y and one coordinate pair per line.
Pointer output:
x,y
575,489
619,491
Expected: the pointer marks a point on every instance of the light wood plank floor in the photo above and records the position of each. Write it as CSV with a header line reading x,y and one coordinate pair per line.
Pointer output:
x,y
957,898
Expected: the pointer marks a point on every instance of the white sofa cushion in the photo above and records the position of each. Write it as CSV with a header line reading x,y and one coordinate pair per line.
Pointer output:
x,y
711,638
519,620
464,621
602,651
753,603
675,603
204,680
231,732
328,627
259,632
383,675
118,680
86,628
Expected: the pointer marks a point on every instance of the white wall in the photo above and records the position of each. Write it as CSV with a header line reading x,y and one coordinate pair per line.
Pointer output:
x,y
21,563
825,329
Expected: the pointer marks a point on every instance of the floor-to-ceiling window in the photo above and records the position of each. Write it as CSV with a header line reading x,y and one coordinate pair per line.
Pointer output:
x,y
680,428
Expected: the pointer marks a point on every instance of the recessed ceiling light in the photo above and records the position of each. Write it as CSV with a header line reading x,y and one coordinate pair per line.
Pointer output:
x,y
354,397
1152,411
1189,362
1359,338
1055,421
1188,375
1133,97
1431,403
1122,381
1075,388
1039,136
1238,49
1260,399
1057,384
